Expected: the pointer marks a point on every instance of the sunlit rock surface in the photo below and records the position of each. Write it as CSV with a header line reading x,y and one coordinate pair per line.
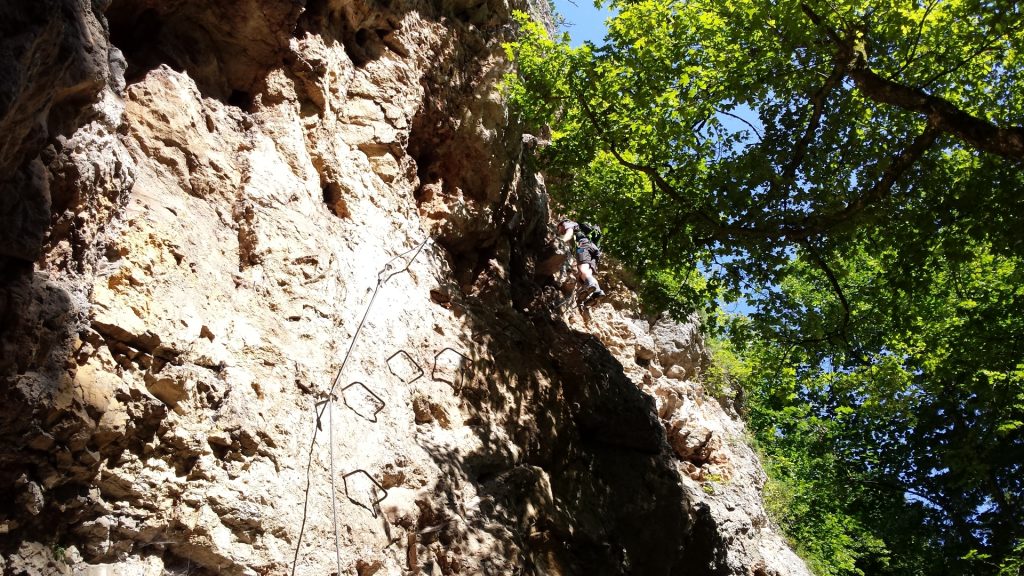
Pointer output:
x,y
279,295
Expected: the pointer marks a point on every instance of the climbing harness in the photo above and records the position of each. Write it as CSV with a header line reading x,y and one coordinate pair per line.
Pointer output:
x,y
389,271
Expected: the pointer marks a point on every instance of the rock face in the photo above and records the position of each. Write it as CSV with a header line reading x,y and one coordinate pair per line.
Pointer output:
x,y
277,298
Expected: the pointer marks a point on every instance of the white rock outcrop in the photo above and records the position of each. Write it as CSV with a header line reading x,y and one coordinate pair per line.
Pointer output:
x,y
278,297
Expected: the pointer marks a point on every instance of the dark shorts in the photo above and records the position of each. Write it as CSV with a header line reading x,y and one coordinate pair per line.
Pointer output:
x,y
586,255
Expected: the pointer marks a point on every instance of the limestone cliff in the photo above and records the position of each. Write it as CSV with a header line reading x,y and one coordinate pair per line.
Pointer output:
x,y
279,296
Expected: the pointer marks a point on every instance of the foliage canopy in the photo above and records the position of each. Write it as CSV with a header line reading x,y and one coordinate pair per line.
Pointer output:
x,y
853,171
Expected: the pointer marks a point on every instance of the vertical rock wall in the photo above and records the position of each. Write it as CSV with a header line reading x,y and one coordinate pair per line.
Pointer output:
x,y
270,284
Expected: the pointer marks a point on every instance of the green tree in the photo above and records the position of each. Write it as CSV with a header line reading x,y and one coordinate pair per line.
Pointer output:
x,y
853,170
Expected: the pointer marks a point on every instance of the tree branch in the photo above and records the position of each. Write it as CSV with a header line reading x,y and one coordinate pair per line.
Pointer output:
x,y
818,108
744,120
881,188
986,47
902,489
652,173
836,287
912,51
816,224
811,225
655,176
941,113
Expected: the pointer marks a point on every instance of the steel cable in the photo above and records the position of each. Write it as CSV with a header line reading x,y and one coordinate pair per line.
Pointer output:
x,y
386,273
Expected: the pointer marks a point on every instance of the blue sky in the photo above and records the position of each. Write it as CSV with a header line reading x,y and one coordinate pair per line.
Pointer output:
x,y
582,20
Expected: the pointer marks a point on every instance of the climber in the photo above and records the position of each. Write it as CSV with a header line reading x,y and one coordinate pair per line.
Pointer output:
x,y
586,236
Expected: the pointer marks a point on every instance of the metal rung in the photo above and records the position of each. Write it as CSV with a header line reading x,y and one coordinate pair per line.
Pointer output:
x,y
373,506
457,386
419,370
377,400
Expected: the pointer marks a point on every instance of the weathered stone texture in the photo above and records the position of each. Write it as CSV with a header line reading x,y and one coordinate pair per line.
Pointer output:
x,y
206,203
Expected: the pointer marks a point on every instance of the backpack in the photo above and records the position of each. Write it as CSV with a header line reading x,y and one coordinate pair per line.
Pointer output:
x,y
592,232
